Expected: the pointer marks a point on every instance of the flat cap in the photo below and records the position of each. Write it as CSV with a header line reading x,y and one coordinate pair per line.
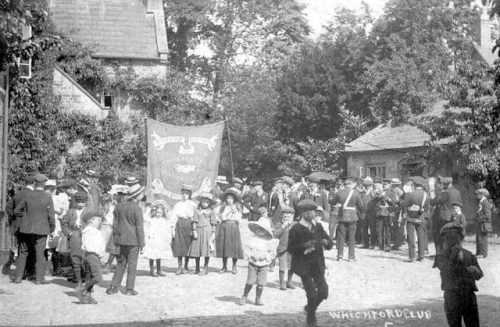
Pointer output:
x,y
287,209
288,180
262,210
418,180
483,191
237,180
40,178
306,205
257,183
446,180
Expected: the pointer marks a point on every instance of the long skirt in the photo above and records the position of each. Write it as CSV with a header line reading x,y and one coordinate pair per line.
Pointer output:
x,y
182,239
228,240
200,247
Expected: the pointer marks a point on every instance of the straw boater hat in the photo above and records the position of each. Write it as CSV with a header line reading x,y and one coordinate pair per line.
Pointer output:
x,y
207,196
395,181
131,180
221,180
483,191
135,191
234,192
261,228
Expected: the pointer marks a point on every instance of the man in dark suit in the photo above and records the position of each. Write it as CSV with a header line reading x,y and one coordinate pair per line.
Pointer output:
x,y
128,233
320,197
37,211
443,209
351,207
258,198
306,241
14,222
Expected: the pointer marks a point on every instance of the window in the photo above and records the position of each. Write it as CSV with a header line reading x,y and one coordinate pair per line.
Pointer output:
x,y
376,171
107,99
412,169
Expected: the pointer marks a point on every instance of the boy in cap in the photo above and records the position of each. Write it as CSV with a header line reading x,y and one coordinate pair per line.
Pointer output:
x,y
93,248
306,241
483,220
459,270
258,198
260,252
71,226
281,232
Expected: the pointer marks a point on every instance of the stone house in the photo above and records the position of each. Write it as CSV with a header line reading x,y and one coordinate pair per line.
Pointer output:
x,y
124,33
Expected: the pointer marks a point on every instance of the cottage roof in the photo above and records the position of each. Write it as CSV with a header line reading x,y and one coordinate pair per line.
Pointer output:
x,y
118,28
387,137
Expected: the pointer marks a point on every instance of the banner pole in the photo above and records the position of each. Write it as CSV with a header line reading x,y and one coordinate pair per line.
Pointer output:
x,y
230,146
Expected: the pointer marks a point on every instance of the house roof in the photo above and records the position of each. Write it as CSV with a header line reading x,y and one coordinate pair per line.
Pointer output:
x,y
387,137
118,28
485,54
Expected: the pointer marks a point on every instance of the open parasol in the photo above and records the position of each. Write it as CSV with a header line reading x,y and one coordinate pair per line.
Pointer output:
x,y
320,176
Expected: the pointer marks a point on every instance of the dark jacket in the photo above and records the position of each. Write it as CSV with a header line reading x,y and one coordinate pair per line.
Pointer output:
x,y
454,274
354,207
415,199
15,221
444,202
37,211
128,224
71,230
254,201
368,205
282,233
314,262
321,199
483,216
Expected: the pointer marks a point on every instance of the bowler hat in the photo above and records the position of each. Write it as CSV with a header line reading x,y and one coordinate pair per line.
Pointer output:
x,y
306,205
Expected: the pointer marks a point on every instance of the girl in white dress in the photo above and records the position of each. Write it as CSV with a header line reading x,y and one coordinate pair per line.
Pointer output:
x,y
158,229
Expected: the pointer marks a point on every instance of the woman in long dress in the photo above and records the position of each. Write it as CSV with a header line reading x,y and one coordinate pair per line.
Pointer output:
x,y
228,238
182,215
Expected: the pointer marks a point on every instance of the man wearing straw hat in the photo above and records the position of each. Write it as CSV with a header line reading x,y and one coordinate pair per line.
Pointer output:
x,y
128,233
306,241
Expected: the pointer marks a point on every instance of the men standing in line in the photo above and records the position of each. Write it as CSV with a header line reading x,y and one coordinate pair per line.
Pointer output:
x,y
416,206
306,241
37,211
128,233
351,207
258,198
443,210
369,221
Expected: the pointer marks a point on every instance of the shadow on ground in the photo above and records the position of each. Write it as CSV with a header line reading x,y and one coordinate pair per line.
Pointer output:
x,y
427,313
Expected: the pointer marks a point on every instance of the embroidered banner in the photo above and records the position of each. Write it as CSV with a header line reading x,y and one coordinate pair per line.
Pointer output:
x,y
181,155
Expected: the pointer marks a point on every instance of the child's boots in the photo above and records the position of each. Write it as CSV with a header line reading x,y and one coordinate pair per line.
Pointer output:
x,y
258,294
243,299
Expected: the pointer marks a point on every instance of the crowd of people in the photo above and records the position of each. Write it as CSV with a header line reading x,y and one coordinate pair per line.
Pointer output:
x,y
72,225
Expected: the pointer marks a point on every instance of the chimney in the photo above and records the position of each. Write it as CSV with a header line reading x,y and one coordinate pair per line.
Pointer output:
x,y
485,29
153,5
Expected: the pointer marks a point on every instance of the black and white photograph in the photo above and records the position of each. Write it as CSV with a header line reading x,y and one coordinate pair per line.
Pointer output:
x,y
250,163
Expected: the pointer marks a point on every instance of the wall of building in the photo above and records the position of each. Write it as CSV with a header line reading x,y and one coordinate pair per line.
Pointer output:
x,y
74,98
143,68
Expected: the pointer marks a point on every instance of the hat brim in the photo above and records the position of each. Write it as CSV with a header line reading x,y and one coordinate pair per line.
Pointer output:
x,y
236,196
260,230
211,202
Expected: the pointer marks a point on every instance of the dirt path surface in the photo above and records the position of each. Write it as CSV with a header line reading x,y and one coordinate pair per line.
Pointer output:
x,y
380,289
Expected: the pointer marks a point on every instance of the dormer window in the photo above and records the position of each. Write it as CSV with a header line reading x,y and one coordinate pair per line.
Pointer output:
x,y
107,99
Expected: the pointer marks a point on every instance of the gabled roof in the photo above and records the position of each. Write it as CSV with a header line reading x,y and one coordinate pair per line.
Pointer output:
x,y
387,137
118,28
485,54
